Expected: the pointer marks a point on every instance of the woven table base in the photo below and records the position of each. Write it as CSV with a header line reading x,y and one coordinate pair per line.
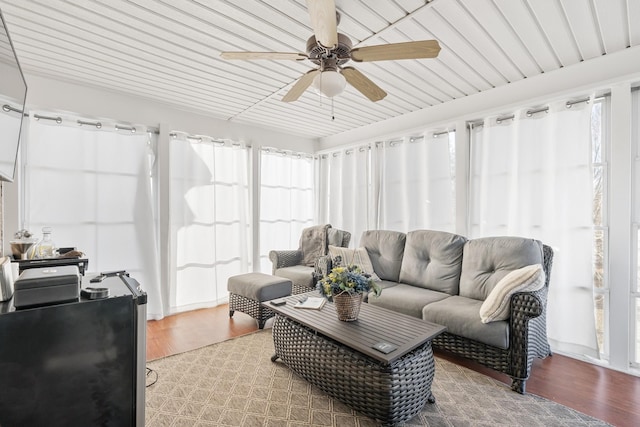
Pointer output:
x,y
389,393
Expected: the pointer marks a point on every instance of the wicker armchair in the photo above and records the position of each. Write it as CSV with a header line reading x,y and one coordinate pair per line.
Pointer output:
x,y
299,265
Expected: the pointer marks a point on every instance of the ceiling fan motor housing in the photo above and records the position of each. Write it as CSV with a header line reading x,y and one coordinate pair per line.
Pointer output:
x,y
329,58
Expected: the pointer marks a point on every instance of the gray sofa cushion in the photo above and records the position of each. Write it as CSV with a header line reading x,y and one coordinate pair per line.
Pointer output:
x,y
385,250
384,284
433,260
461,316
487,260
300,275
407,299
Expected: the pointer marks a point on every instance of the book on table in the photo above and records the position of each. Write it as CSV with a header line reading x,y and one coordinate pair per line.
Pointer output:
x,y
313,303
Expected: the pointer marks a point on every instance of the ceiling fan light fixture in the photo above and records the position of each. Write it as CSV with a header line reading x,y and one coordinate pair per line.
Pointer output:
x,y
329,83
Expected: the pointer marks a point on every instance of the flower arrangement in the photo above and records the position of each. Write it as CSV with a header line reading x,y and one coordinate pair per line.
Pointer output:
x,y
347,278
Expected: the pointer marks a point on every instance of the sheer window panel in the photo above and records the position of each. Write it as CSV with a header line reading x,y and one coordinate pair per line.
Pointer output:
x,y
95,199
210,237
636,358
286,201
599,173
635,291
350,200
531,177
416,184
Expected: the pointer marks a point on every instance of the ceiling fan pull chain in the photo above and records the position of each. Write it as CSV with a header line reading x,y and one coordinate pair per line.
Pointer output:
x,y
332,116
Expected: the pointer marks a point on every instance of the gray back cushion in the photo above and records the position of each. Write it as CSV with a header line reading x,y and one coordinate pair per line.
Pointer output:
x,y
433,260
487,260
385,249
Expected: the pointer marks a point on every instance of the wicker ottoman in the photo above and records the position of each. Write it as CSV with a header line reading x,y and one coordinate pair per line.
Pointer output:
x,y
247,291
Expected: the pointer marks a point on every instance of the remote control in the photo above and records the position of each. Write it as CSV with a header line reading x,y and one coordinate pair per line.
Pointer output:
x,y
97,279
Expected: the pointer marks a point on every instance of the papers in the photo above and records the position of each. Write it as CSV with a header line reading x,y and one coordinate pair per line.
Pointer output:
x,y
313,303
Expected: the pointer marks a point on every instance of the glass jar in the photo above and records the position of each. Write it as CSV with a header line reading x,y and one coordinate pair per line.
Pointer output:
x,y
45,247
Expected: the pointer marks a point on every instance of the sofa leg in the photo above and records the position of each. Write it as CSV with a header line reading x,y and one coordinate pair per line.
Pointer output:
x,y
231,313
518,385
431,398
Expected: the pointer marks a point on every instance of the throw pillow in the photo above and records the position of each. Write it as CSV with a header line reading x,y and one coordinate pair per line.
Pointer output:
x,y
497,305
359,257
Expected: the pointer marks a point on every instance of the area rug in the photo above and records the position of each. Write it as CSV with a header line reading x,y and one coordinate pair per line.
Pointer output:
x,y
234,383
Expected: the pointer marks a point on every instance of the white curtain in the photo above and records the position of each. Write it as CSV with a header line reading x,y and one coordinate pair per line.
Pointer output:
x,y
286,201
416,183
78,182
402,185
531,177
210,236
635,313
348,191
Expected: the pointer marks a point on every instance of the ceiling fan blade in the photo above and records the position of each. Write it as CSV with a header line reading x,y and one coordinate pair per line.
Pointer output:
x,y
323,21
407,50
361,82
300,86
295,56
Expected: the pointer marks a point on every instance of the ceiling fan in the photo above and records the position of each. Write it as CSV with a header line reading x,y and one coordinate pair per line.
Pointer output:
x,y
330,50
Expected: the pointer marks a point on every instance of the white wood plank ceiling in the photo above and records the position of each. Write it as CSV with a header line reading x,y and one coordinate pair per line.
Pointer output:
x,y
169,51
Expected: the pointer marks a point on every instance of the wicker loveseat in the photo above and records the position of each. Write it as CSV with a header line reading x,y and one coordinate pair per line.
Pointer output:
x,y
445,278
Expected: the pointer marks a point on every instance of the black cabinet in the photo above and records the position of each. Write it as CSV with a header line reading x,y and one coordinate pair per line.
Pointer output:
x,y
75,364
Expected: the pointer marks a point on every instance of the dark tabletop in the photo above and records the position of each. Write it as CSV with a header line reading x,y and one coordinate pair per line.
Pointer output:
x,y
374,325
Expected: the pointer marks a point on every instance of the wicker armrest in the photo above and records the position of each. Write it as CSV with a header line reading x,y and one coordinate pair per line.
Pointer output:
x,y
527,305
287,258
528,334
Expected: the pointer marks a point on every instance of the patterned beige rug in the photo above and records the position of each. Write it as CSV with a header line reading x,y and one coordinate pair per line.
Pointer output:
x,y
234,383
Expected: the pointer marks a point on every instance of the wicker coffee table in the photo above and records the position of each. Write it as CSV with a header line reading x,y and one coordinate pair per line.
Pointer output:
x,y
339,358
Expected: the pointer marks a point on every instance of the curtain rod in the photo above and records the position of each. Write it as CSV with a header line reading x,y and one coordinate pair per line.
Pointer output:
x,y
570,104
529,113
7,108
54,119
81,122
98,125
197,138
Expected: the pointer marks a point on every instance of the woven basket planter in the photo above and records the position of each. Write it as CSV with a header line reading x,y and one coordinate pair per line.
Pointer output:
x,y
347,306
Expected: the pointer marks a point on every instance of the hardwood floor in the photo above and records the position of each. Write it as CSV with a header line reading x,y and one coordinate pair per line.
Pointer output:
x,y
602,393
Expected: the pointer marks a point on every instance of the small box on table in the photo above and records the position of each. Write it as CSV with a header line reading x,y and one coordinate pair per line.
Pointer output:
x,y
47,285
